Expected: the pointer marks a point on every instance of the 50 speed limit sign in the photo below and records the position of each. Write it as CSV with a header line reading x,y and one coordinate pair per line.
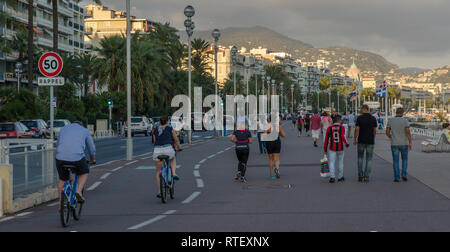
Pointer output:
x,y
50,64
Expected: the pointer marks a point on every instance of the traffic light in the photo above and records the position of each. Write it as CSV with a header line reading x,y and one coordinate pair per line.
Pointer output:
x,y
110,102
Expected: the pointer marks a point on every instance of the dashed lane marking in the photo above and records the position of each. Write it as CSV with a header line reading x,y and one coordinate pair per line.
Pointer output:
x,y
202,161
24,214
200,183
105,175
153,220
209,157
191,198
95,185
131,162
197,166
196,173
7,219
118,168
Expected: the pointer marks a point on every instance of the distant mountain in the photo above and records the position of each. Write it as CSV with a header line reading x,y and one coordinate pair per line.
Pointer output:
x,y
412,70
340,57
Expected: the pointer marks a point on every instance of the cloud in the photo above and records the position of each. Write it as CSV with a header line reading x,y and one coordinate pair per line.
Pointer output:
x,y
408,32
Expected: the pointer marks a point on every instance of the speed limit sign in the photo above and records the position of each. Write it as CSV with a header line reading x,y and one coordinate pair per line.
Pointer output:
x,y
50,64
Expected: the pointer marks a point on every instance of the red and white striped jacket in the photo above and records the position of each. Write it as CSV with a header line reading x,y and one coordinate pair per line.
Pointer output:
x,y
335,138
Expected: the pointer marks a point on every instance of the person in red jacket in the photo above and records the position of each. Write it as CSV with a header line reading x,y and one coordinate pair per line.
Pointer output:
x,y
334,147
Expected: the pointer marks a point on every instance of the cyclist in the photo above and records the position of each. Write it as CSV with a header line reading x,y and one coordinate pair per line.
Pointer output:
x,y
164,136
70,150
242,137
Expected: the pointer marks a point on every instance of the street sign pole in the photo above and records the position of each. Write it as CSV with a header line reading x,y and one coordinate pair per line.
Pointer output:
x,y
52,113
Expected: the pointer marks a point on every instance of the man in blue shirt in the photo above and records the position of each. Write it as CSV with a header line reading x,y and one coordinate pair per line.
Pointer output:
x,y
70,150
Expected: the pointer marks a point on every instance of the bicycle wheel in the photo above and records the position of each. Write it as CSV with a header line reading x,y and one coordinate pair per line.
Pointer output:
x,y
77,209
65,210
172,190
163,187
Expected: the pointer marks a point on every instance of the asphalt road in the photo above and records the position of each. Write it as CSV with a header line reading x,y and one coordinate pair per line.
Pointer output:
x,y
208,199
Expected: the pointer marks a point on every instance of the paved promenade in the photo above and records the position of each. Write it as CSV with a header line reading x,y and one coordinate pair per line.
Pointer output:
x,y
121,195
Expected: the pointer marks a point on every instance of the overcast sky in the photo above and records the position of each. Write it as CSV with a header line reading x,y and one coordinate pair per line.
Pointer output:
x,y
406,32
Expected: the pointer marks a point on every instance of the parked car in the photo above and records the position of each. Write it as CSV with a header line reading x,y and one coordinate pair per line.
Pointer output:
x,y
39,127
140,125
15,130
57,125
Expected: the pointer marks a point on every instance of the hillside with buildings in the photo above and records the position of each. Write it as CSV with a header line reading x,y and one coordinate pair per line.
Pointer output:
x,y
339,57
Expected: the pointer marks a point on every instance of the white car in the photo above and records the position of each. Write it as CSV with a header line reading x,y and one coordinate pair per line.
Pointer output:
x,y
140,125
57,125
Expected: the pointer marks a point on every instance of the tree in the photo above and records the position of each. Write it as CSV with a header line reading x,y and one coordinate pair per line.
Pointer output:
x,y
324,83
15,106
86,63
110,70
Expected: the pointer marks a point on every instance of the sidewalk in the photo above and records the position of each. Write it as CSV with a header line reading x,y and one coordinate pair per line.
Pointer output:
x,y
432,169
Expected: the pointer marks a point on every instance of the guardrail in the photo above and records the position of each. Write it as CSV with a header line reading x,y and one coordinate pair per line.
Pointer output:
x,y
104,134
426,132
33,164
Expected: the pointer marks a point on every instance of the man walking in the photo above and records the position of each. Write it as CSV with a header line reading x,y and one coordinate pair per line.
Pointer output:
x,y
398,131
351,124
315,127
334,148
365,132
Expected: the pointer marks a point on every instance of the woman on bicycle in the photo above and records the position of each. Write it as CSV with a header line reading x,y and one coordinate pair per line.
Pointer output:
x,y
164,136
274,149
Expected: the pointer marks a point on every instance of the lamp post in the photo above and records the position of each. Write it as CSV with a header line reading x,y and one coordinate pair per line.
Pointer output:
x,y
282,94
128,49
18,73
268,92
247,68
234,51
263,79
273,92
216,35
189,12
292,96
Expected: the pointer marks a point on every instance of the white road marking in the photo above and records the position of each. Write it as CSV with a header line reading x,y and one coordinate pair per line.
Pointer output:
x,y
54,204
196,173
95,185
201,162
118,168
200,183
105,175
153,220
197,166
191,198
131,162
7,219
220,152
24,214
145,158
211,156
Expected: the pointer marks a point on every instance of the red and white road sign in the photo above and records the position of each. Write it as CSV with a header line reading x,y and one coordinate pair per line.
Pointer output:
x,y
50,64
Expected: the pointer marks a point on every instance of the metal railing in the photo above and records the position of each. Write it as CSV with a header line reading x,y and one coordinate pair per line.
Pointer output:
x,y
33,162
104,134
426,132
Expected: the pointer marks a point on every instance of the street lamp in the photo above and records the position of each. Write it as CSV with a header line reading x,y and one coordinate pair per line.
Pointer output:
x,y
292,96
216,35
129,151
18,73
263,79
189,12
268,92
282,93
234,51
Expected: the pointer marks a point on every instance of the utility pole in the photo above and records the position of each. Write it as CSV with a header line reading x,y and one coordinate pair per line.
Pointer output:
x,y
129,139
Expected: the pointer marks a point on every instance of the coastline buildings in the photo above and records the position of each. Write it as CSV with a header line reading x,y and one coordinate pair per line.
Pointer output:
x,y
70,33
103,22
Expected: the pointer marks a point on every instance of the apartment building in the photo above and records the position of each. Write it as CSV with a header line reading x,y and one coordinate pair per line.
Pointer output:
x,y
70,33
103,22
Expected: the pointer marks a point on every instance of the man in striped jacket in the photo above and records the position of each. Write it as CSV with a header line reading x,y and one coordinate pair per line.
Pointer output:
x,y
334,148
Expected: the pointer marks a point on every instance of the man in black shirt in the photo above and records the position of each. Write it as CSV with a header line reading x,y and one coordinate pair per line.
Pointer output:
x,y
365,132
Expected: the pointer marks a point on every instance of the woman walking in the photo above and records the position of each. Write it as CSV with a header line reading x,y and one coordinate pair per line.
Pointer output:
x,y
242,138
300,126
274,149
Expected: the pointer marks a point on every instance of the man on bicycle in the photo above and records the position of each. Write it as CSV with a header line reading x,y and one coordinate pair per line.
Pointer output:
x,y
70,150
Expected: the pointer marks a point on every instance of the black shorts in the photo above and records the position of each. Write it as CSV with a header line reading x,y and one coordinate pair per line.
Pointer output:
x,y
273,147
81,167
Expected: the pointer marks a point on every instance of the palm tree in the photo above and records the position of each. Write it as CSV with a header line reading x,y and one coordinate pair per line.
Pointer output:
x,y
86,63
200,56
110,68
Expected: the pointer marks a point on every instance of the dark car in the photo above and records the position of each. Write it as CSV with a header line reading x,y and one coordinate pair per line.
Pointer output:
x,y
14,130
38,127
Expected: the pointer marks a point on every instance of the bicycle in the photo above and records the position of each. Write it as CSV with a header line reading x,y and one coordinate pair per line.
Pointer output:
x,y
69,204
167,183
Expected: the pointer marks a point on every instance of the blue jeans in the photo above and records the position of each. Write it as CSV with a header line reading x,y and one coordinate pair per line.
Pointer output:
x,y
262,145
333,157
396,151
366,149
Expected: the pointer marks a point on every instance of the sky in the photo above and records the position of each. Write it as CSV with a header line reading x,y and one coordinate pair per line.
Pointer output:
x,y
409,33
